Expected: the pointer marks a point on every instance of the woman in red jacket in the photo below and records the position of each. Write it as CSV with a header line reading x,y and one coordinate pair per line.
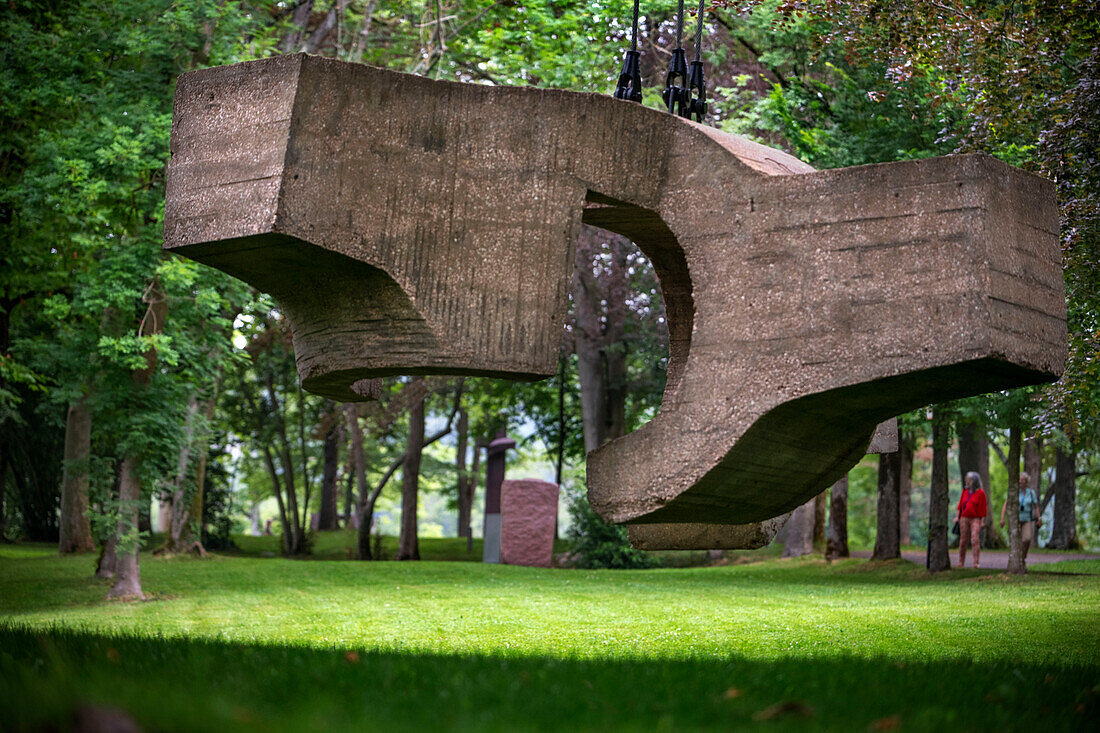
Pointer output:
x,y
969,514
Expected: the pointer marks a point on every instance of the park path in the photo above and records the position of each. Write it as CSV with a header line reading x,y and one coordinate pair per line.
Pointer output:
x,y
993,559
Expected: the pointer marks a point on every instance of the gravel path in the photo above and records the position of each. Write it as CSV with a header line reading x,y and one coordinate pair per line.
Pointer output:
x,y
994,559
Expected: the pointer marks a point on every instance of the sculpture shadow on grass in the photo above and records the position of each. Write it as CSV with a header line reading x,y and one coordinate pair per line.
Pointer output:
x,y
178,684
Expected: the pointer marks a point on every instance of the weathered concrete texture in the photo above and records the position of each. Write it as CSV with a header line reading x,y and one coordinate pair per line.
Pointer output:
x,y
411,226
694,536
528,513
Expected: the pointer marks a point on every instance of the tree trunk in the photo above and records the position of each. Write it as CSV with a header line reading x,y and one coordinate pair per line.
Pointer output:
x,y
836,543
127,573
820,503
408,546
800,531
349,490
198,497
1016,564
108,559
887,536
359,466
599,306
475,476
1033,462
938,558
327,515
905,491
299,21
178,511
76,529
1064,532
463,529
364,33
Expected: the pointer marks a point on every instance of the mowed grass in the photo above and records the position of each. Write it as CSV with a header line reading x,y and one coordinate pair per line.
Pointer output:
x,y
248,643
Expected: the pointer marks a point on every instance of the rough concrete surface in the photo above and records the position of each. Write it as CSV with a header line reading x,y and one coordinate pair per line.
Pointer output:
x,y
415,226
528,515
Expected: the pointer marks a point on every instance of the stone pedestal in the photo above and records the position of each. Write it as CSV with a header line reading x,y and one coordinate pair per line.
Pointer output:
x,y
529,510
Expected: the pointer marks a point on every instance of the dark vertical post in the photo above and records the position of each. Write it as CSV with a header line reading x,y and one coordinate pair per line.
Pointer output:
x,y
494,477
937,558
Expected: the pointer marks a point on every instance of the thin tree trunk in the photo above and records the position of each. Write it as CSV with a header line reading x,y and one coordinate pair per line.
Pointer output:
x,y
905,493
475,476
1033,462
939,496
408,545
1016,564
299,20
76,529
307,483
364,33
178,512
327,515
836,543
359,466
198,497
1064,532
599,304
887,537
820,503
276,487
463,487
800,531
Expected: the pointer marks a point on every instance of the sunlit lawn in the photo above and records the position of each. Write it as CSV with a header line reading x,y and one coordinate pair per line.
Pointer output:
x,y
257,643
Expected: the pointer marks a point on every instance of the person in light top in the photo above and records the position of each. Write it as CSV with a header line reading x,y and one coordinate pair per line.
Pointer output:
x,y
1029,512
969,514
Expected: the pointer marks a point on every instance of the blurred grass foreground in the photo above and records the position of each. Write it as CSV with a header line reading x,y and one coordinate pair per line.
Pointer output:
x,y
251,643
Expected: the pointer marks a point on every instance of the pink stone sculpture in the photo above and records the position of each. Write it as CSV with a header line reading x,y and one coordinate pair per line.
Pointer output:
x,y
529,510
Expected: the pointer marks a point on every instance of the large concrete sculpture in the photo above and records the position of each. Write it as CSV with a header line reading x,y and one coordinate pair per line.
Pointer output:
x,y
413,226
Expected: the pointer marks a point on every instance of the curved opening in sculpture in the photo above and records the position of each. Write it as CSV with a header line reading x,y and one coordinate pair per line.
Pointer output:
x,y
648,231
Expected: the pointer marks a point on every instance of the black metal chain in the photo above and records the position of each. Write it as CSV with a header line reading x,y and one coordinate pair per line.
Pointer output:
x,y
677,94
630,80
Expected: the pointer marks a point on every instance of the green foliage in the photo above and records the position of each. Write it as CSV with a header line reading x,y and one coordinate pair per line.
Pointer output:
x,y
598,544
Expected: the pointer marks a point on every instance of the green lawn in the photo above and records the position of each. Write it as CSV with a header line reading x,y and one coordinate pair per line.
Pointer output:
x,y
252,643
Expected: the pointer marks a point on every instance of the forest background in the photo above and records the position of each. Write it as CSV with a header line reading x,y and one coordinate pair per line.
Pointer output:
x,y
138,387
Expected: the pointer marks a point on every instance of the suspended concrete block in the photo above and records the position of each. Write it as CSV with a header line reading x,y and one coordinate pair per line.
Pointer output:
x,y
410,226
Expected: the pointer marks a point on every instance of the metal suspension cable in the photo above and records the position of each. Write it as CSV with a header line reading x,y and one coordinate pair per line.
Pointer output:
x,y
630,79
699,33
680,26
697,86
634,30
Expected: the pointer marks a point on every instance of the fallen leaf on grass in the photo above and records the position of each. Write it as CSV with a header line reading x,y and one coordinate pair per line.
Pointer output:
x,y
786,709
100,718
884,724
732,693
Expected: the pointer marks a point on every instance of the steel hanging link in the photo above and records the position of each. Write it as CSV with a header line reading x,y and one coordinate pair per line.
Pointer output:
x,y
630,80
677,95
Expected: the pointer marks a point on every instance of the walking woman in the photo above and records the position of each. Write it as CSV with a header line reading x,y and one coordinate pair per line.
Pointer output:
x,y
969,514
